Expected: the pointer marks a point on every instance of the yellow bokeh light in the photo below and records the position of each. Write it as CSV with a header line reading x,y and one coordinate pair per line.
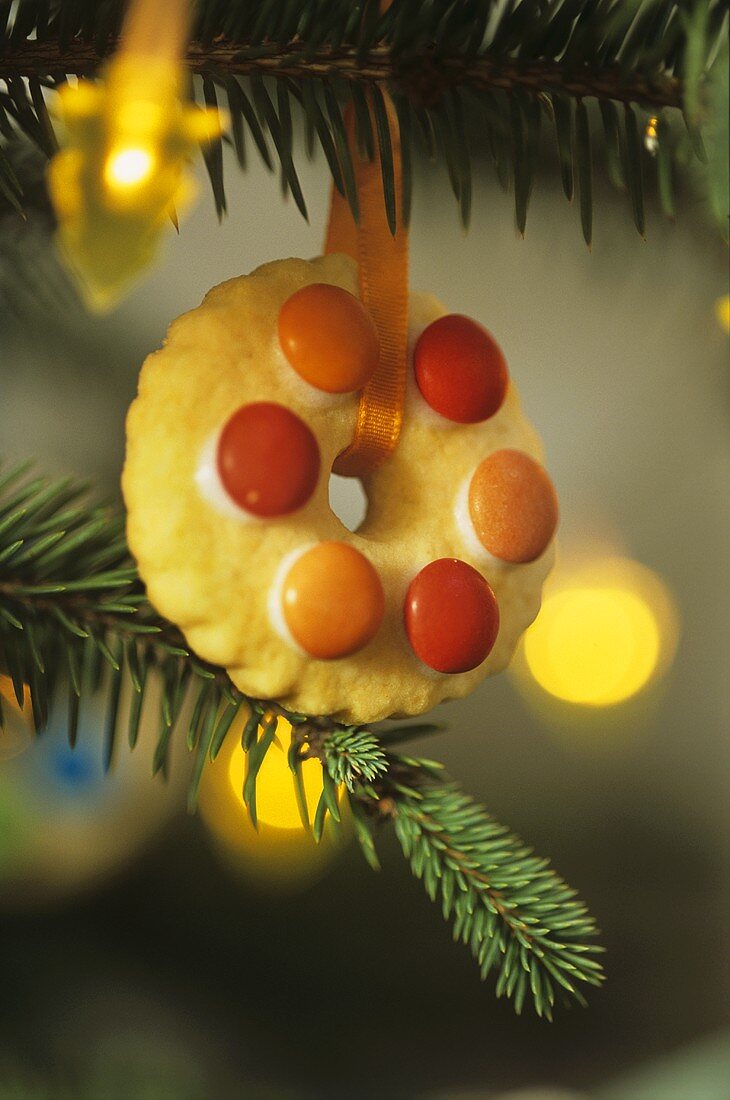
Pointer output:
x,y
593,646
16,729
722,311
281,852
276,803
128,167
601,635
8,693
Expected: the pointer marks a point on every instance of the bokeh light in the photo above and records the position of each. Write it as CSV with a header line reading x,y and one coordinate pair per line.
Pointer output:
x,y
603,634
722,312
281,852
594,646
65,823
16,729
276,803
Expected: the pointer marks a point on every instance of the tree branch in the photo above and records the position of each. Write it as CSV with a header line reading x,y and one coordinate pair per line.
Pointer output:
x,y
424,81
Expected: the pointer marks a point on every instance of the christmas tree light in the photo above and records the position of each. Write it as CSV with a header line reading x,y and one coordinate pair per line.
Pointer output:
x,y
121,176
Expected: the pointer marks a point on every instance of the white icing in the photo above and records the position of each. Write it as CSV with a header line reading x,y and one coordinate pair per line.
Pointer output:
x,y
417,405
302,390
274,601
466,528
211,487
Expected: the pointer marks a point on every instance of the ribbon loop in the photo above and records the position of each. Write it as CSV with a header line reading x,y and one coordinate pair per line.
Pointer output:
x,y
382,259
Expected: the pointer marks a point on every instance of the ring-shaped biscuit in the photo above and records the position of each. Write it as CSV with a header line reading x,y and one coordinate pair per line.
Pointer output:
x,y
230,445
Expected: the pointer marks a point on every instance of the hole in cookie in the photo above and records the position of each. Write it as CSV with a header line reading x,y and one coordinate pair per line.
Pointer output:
x,y
348,500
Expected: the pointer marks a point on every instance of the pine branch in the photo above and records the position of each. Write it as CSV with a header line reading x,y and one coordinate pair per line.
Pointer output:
x,y
377,66
517,916
72,610
353,755
74,618
468,77
32,281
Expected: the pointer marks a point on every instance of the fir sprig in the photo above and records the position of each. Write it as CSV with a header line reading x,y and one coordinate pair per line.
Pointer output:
x,y
74,618
468,77
353,755
518,918
72,609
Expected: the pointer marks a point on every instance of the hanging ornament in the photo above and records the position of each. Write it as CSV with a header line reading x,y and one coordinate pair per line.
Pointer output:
x,y
121,175
231,442
303,368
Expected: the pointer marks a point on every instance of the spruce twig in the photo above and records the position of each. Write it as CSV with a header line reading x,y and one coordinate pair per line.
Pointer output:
x,y
74,613
460,72
378,66
516,915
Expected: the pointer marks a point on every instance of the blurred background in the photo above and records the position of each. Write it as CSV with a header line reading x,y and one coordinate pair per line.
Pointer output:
x,y
147,953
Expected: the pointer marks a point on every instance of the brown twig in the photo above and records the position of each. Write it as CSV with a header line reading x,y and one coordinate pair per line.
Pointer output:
x,y
421,80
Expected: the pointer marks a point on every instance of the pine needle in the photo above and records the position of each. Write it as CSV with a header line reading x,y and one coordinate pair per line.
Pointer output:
x,y
274,63
91,632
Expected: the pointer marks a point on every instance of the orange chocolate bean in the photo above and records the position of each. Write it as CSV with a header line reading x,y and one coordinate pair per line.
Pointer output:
x,y
329,338
513,506
333,600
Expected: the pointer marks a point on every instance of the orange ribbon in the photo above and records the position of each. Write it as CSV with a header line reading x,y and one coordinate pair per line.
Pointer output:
x,y
383,272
